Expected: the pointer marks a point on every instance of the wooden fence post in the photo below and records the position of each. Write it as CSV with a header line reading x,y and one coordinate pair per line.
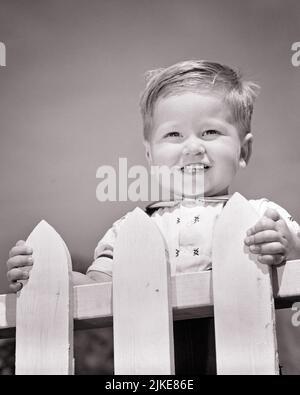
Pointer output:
x,y
44,322
243,298
142,310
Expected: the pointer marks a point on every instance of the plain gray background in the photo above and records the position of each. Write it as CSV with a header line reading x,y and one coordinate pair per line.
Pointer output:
x,y
69,104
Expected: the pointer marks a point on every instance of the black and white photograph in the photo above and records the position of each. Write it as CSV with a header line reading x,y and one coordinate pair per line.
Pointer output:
x,y
149,200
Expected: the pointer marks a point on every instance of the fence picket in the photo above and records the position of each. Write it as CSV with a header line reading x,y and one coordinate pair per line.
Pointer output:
x,y
44,322
142,312
243,297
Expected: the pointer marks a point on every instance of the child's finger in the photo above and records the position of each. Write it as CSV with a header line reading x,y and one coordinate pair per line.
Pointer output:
x,y
272,214
20,242
271,259
268,248
266,236
15,287
17,274
19,261
263,224
21,249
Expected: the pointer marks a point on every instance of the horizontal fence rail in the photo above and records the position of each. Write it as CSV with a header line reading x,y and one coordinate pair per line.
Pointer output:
x,y
192,297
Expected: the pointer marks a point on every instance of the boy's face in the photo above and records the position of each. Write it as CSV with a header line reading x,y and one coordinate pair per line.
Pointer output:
x,y
194,134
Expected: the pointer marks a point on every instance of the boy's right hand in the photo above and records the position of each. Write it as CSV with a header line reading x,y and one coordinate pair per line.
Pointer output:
x,y
19,264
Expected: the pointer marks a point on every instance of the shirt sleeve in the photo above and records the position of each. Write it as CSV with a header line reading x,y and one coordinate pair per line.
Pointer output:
x,y
263,204
103,256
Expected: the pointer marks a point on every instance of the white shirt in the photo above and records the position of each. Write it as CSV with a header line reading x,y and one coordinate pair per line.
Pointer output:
x,y
187,227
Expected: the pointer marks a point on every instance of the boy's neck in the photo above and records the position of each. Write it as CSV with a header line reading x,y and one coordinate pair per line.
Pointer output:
x,y
202,198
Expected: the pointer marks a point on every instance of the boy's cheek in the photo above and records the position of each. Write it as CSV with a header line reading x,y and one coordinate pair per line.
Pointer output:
x,y
165,159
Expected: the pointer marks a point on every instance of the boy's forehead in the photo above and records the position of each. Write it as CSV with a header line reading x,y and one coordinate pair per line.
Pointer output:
x,y
186,105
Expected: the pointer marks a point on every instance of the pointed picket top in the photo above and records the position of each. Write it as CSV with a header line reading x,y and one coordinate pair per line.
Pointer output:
x,y
243,297
142,311
44,323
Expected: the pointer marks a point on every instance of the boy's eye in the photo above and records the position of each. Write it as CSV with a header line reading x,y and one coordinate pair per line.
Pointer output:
x,y
172,134
210,133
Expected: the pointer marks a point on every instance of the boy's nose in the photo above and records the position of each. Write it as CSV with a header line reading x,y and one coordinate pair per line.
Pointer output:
x,y
194,148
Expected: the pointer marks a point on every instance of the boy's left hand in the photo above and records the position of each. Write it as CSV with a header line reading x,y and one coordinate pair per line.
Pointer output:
x,y
270,238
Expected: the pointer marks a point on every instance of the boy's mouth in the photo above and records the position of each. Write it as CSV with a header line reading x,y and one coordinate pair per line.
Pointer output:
x,y
194,168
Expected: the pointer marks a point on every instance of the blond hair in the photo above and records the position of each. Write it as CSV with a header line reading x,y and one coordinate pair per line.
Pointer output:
x,y
196,76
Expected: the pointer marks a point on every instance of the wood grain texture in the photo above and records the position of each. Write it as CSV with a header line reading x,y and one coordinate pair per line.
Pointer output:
x,y
44,319
142,313
243,298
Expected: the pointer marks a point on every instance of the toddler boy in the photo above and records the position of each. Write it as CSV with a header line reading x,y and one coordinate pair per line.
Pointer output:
x,y
197,122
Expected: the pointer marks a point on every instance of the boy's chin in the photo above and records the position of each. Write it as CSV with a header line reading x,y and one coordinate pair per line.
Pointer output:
x,y
198,194
186,194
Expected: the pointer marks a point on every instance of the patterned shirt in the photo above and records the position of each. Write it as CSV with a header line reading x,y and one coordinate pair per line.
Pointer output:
x,y
187,227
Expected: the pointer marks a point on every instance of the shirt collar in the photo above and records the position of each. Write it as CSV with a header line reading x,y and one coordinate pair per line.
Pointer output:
x,y
173,203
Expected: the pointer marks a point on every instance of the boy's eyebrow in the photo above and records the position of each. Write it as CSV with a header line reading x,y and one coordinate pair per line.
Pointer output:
x,y
217,122
166,125
205,123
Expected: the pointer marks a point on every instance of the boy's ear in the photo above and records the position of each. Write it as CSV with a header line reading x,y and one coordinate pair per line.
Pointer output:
x,y
246,150
148,152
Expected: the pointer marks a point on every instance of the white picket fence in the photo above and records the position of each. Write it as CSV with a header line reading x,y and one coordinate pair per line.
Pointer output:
x,y
144,300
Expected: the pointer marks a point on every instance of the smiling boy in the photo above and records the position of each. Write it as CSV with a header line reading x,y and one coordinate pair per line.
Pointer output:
x,y
197,122
195,133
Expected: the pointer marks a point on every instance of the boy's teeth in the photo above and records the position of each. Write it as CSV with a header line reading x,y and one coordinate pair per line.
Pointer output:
x,y
193,168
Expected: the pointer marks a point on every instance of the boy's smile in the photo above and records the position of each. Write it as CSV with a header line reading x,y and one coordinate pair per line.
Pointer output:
x,y
195,134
